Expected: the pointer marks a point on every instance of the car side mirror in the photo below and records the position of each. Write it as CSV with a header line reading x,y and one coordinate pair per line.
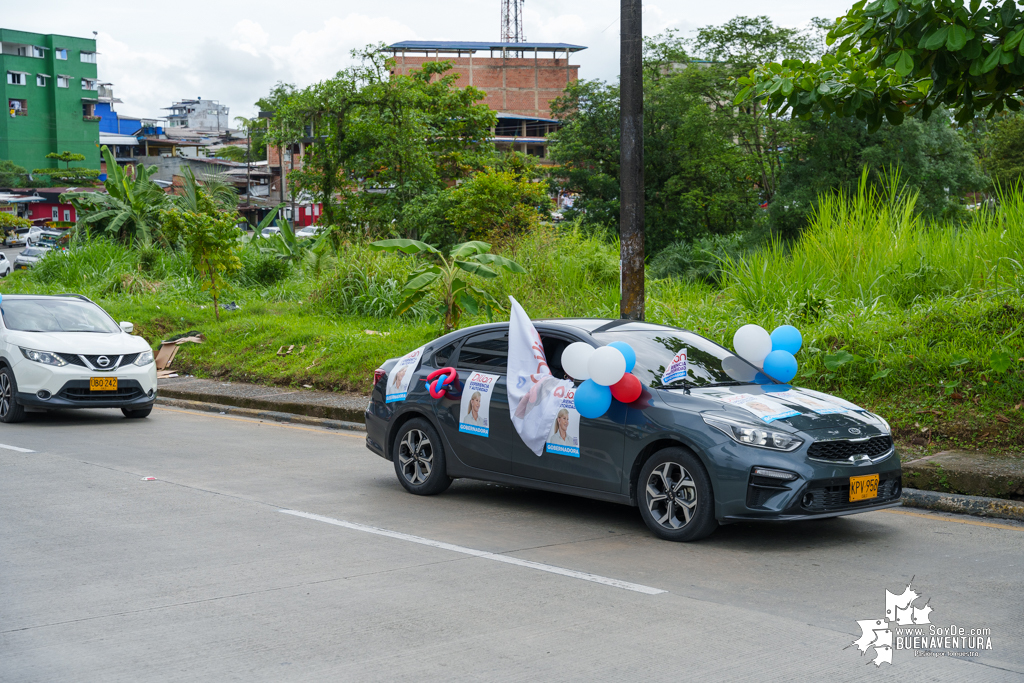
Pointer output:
x,y
127,328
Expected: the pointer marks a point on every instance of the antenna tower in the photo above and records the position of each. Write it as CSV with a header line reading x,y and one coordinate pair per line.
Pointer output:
x,y
512,22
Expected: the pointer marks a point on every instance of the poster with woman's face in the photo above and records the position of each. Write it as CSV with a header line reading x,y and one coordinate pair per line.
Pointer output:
x,y
565,433
401,376
474,411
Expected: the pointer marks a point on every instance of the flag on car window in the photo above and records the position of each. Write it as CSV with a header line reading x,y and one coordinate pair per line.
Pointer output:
x,y
534,394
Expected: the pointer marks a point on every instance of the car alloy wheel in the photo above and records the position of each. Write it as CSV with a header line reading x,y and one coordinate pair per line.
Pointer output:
x,y
416,457
6,395
671,495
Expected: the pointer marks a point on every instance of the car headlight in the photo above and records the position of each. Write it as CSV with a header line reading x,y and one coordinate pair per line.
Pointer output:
x,y
44,357
877,421
754,435
145,358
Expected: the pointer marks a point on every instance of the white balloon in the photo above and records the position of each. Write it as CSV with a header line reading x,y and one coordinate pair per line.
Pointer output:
x,y
575,358
752,343
607,365
738,369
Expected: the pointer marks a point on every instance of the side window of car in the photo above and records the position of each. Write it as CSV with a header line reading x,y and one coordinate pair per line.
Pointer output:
x,y
486,352
443,355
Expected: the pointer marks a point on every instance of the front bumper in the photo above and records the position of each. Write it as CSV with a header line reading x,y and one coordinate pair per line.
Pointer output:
x,y
76,394
48,386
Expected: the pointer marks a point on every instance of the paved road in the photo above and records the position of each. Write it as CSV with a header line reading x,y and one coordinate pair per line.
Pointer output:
x,y
198,575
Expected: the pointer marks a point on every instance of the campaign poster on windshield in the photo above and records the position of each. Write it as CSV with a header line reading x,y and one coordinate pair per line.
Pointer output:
x,y
765,408
475,409
676,368
401,376
816,404
565,433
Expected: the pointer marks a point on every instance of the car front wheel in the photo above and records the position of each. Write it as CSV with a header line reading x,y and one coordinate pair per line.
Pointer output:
x,y
10,410
675,496
419,459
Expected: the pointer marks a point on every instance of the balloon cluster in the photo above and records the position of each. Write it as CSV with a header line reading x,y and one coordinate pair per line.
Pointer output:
x,y
606,374
774,353
439,380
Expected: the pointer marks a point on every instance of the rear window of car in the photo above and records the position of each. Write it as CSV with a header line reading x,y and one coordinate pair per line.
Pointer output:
x,y
487,352
33,251
55,315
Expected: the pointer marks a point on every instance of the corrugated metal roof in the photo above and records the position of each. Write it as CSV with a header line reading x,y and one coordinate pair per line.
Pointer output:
x,y
469,46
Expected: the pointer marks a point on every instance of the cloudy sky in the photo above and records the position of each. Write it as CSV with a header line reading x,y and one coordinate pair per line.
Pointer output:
x,y
155,53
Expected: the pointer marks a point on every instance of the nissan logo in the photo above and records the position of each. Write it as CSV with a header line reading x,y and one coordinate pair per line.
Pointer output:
x,y
103,362
854,430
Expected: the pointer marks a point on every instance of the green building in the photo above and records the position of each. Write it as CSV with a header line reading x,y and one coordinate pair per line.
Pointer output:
x,y
49,87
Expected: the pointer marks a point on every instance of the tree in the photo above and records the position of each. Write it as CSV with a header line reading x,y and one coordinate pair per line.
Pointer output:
x,y
129,210
1004,159
231,153
11,175
450,278
211,242
931,157
894,58
68,173
497,204
211,194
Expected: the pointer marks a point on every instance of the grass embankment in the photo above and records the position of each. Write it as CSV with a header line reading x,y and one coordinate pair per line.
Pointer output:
x,y
915,321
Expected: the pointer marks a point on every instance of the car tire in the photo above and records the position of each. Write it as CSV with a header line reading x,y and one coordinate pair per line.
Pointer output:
x,y
675,496
140,413
10,410
419,459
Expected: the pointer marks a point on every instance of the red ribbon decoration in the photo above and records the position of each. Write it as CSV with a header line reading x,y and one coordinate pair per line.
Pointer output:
x,y
438,381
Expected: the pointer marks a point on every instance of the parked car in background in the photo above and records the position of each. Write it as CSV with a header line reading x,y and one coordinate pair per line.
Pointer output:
x,y
49,238
308,231
5,265
29,257
267,232
26,236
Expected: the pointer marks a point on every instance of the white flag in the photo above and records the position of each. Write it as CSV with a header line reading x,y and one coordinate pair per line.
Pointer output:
x,y
534,394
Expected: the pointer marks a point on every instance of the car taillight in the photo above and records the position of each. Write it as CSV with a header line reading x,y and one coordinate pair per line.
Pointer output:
x,y
378,375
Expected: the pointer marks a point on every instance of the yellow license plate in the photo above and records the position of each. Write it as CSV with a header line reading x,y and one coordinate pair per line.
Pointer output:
x,y
863,488
110,384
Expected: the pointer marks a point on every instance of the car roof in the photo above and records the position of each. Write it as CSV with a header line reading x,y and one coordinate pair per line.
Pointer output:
x,y
25,297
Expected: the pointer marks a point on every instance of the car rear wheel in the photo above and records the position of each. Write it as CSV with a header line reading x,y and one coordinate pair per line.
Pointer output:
x,y
10,410
140,413
675,496
419,459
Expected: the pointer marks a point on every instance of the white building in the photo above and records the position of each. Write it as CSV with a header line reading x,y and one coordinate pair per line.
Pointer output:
x,y
198,114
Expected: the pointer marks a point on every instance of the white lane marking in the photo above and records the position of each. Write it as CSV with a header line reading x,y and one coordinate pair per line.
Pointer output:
x,y
482,554
15,448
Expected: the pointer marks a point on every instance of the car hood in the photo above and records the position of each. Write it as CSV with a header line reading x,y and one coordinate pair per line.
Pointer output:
x,y
851,423
117,343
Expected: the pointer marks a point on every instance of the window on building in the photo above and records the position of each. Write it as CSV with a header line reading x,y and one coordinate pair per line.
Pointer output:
x,y
67,215
63,81
41,80
39,52
56,213
88,84
15,78
88,109
89,57
60,53
22,50
18,107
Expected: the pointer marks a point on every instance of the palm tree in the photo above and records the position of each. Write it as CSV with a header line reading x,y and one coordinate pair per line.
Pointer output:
x,y
129,211
212,187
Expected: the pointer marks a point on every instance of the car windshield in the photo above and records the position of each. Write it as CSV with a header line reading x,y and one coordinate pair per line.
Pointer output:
x,y
55,315
33,251
707,363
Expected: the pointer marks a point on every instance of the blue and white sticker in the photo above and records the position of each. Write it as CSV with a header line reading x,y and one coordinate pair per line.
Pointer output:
x,y
765,408
401,376
676,368
564,438
475,407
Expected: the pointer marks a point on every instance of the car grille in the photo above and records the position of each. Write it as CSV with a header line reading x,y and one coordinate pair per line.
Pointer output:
x,y
78,391
75,359
844,449
832,495
72,358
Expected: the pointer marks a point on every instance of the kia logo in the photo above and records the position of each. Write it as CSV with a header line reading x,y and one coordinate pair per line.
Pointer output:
x,y
854,430
103,362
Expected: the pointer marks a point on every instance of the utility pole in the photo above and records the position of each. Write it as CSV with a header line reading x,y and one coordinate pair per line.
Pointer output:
x,y
631,161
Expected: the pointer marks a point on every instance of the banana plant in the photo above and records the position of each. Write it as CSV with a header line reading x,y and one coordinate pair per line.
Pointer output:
x,y
450,276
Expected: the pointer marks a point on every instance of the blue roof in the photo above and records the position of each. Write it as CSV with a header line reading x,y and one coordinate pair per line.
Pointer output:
x,y
469,46
505,115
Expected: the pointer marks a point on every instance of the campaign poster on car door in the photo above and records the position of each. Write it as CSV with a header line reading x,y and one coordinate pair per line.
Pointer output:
x,y
475,409
401,376
565,433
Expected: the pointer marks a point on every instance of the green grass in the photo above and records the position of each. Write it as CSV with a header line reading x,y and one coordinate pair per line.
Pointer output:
x,y
921,323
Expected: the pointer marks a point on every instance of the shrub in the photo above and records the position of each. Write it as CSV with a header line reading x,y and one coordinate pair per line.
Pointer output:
x,y
261,269
697,261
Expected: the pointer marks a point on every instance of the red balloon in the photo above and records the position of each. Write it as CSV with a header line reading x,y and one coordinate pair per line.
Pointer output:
x,y
627,389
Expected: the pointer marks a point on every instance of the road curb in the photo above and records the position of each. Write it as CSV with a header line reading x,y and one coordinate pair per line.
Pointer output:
x,y
273,415
979,506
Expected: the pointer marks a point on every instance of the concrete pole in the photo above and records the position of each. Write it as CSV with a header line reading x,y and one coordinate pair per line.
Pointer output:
x,y
631,162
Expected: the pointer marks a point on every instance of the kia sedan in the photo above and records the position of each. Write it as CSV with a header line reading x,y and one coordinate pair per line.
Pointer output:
x,y
719,443
66,352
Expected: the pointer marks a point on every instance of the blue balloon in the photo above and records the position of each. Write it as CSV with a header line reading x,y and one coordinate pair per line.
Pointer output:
x,y
781,365
592,400
761,378
627,352
787,338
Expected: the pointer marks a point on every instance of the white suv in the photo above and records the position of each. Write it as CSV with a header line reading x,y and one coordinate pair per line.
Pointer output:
x,y
66,352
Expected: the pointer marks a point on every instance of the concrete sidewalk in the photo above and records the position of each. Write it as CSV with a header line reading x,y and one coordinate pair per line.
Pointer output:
x,y
323,404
